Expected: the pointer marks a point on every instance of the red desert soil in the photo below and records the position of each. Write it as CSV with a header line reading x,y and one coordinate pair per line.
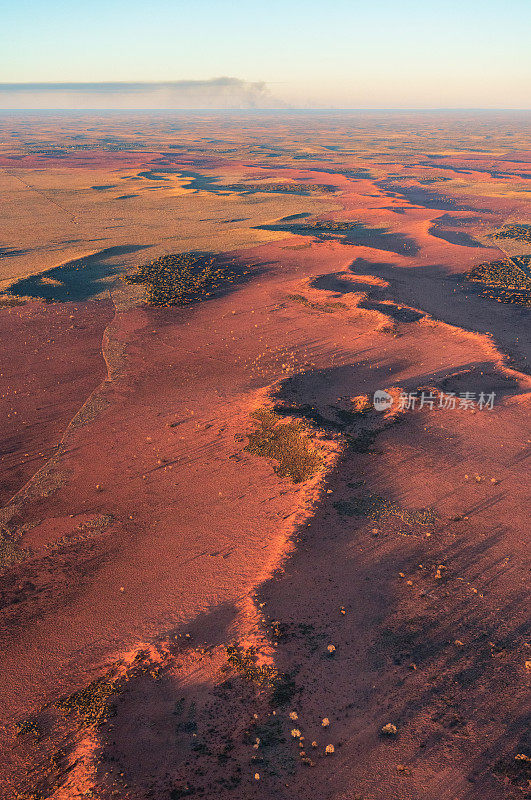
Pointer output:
x,y
180,620
87,158
49,364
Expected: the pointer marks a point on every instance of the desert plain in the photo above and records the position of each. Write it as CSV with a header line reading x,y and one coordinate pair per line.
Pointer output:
x,y
225,571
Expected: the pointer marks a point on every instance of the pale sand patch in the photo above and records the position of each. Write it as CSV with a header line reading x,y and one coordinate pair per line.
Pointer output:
x,y
53,216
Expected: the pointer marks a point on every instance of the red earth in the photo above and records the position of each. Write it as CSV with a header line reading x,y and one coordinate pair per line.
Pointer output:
x,y
217,629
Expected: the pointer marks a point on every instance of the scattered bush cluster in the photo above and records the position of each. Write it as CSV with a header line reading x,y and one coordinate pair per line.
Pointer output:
x,y
183,278
508,280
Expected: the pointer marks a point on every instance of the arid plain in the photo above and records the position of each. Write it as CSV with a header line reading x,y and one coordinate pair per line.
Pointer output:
x,y
224,572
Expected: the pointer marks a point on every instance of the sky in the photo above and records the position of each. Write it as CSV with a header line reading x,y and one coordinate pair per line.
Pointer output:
x,y
333,54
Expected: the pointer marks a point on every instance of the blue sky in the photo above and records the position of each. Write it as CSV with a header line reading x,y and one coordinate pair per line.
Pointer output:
x,y
370,54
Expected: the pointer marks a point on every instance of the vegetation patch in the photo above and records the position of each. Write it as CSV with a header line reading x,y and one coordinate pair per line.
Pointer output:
x,y
516,771
375,507
507,280
11,302
352,232
341,419
310,414
269,733
287,443
438,179
184,278
283,188
10,552
304,632
31,726
244,661
331,225
363,442
264,676
362,404
328,308
91,705
520,232
284,690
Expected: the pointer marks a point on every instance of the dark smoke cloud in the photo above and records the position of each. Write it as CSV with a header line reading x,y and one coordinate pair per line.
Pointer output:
x,y
214,93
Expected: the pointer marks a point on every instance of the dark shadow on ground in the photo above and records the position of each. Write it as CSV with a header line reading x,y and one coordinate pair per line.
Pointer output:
x,y
353,233
196,735
80,279
422,197
8,252
350,561
460,238
198,182
455,300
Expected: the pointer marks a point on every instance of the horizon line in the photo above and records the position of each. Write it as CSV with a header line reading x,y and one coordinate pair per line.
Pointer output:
x,y
282,109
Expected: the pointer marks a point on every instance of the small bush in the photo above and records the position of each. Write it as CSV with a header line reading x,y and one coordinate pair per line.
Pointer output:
x,y
286,443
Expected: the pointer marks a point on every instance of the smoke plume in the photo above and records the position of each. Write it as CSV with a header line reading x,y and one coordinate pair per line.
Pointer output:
x,y
217,93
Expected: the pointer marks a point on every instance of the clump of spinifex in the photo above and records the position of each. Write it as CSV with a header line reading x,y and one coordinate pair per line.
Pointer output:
x,y
183,278
91,705
287,443
377,508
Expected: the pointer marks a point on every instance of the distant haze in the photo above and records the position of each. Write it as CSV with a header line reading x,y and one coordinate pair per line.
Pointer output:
x,y
216,93
342,54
